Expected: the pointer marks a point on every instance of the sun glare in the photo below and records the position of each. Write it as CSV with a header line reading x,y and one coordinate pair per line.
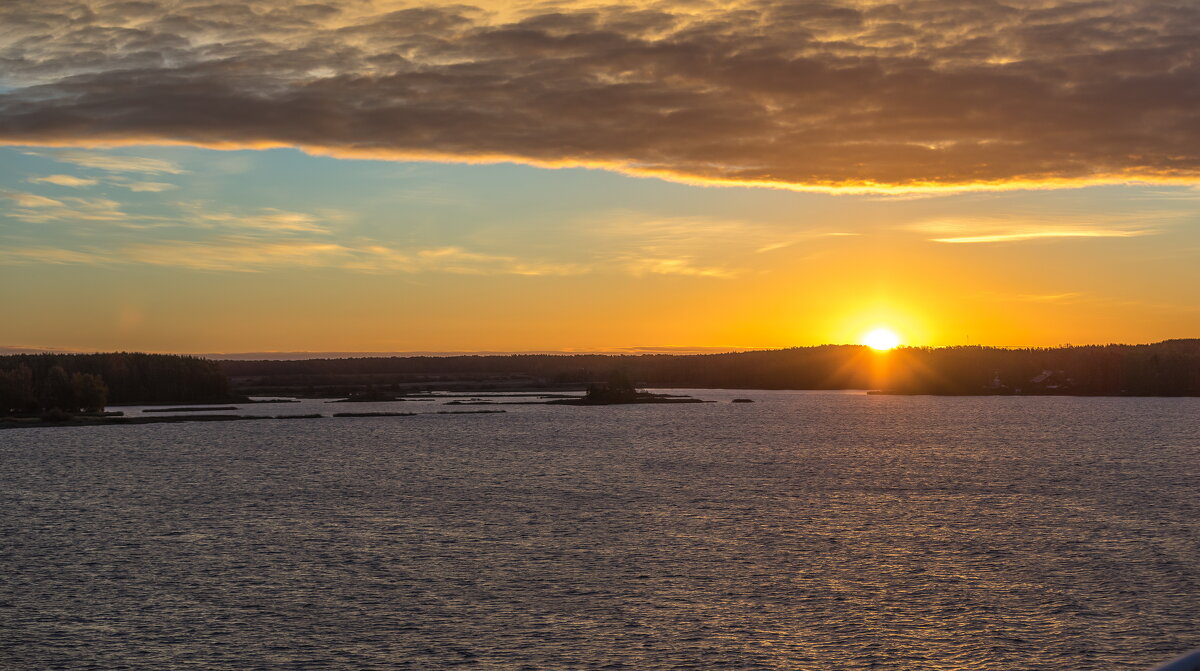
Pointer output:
x,y
881,339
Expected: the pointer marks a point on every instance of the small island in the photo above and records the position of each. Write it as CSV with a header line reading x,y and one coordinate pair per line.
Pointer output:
x,y
619,390
369,396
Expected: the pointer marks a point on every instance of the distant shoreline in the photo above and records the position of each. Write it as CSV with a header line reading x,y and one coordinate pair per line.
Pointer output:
x,y
73,383
38,423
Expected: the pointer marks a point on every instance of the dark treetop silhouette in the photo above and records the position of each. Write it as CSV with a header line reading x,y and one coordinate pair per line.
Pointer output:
x,y
74,382
1169,368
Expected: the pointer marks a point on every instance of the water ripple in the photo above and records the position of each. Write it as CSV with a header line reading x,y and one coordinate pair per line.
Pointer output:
x,y
805,531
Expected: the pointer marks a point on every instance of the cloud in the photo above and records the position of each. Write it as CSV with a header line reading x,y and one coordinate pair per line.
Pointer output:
x,y
79,182
248,254
116,163
251,254
983,230
265,219
676,266
151,187
811,235
839,94
64,180
33,201
32,208
1015,236
51,255
693,246
455,260
641,244
194,235
233,254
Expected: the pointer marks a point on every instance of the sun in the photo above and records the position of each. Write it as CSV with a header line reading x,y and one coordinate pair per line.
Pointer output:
x,y
881,339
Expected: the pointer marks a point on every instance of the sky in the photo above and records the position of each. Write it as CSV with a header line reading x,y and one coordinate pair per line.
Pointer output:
x,y
358,176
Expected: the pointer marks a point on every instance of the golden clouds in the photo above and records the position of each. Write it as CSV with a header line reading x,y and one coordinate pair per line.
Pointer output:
x,y
253,254
965,230
910,95
64,180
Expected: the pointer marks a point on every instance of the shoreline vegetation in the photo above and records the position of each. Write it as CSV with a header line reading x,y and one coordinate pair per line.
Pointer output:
x,y
1168,368
54,386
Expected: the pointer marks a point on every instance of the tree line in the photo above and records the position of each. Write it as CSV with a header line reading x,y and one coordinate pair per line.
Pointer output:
x,y
1169,368
22,392
87,382
826,367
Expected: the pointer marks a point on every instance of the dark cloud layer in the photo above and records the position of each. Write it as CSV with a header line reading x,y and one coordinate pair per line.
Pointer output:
x,y
806,93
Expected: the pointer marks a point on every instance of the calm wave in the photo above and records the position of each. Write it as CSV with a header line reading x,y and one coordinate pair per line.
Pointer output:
x,y
814,531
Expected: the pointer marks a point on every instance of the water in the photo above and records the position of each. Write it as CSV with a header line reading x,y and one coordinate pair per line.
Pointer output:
x,y
813,531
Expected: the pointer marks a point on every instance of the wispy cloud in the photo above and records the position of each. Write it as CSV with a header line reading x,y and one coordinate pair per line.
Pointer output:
x,y
455,260
150,187
695,246
33,208
676,266
115,163
33,201
1191,193
840,94
1019,235
121,181
252,254
985,230
234,254
10,254
798,238
264,219
64,180
245,254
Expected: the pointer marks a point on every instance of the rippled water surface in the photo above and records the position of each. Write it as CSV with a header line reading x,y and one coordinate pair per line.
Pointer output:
x,y
815,531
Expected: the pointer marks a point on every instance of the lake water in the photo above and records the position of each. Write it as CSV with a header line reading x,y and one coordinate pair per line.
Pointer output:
x,y
812,531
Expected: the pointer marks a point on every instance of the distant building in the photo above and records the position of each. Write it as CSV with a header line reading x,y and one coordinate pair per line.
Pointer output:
x,y
1049,381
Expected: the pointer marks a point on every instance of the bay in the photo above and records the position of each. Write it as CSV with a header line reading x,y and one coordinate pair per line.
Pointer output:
x,y
807,530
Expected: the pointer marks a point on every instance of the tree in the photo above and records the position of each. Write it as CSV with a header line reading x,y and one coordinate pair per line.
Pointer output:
x,y
58,391
618,389
91,394
17,390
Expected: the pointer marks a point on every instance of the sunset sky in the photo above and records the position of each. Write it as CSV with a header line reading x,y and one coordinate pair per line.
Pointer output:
x,y
359,176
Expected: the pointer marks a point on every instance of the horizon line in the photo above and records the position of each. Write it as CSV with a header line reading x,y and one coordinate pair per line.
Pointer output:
x,y
300,355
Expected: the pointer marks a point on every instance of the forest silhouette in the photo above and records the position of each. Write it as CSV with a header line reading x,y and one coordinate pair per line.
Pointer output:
x,y
87,382
1169,368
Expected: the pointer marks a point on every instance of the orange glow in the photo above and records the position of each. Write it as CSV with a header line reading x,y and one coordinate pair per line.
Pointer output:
x,y
881,339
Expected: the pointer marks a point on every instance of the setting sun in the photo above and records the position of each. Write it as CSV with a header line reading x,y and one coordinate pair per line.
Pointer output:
x,y
881,339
